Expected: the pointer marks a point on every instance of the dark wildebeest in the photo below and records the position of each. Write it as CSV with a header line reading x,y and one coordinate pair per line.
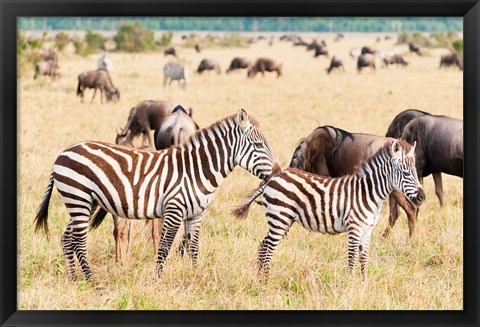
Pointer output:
x,y
338,37
98,80
320,50
170,51
414,48
365,60
238,63
451,59
335,63
368,50
146,116
330,151
265,64
197,48
46,68
174,129
395,59
439,147
208,64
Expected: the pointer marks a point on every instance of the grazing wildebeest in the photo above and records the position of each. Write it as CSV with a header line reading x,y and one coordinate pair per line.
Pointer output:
x,y
395,59
197,48
104,62
46,68
331,151
170,51
208,64
451,59
175,129
146,116
265,64
321,50
238,63
335,63
365,60
440,150
414,48
338,37
368,50
98,80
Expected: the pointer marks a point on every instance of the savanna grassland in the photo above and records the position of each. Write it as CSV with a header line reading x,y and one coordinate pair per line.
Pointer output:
x,y
309,270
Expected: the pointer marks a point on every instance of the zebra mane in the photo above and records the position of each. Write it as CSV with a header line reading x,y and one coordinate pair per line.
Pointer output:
x,y
365,167
229,120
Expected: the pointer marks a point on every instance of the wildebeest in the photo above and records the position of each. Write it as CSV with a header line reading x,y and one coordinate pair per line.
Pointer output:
x,y
174,129
265,64
395,59
238,63
145,117
197,48
335,63
321,51
170,51
368,50
331,151
451,59
98,80
414,48
440,142
208,64
365,60
46,68
104,62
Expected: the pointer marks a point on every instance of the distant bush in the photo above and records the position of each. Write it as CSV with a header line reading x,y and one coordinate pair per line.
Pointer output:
x,y
61,40
458,46
28,52
233,40
95,42
165,39
132,37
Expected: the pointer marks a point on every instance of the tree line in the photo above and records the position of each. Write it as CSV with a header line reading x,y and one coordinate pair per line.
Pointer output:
x,y
250,24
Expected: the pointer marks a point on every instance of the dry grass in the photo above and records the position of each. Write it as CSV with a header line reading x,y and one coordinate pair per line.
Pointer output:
x,y
309,270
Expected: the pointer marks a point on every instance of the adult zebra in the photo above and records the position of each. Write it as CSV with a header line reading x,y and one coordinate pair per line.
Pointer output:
x,y
350,203
175,184
175,72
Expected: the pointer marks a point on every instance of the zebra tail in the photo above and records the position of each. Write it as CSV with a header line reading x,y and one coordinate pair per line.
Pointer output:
x,y
42,214
98,218
241,211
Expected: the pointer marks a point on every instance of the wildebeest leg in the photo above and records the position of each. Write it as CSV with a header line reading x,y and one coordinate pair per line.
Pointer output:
x,y
165,81
437,179
94,92
410,209
392,218
156,232
122,232
101,95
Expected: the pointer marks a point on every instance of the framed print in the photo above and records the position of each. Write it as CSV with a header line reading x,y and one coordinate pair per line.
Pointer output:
x,y
348,122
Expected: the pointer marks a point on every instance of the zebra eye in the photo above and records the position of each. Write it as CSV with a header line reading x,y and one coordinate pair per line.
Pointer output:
x,y
257,144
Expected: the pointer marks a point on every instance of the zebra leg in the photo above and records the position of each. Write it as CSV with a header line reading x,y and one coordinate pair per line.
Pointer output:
x,y
68,252
364,247
192,234
270,242
354,235
171,223
80,248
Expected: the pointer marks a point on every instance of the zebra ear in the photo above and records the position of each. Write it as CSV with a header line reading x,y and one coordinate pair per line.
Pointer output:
x,y
242,118
412,150
396,149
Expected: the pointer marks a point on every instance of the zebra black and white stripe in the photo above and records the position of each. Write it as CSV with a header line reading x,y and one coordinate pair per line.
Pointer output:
x,y
175,184
350,203
175,72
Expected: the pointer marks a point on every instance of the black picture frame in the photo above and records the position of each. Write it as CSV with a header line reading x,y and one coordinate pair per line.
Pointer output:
x,y
10,10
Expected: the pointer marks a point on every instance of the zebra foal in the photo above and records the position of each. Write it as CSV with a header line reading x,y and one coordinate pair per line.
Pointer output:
x,y
349,204
176,184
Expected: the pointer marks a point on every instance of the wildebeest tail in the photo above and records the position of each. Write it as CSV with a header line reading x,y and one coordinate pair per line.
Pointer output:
x,y
98,218
297,157
42,214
